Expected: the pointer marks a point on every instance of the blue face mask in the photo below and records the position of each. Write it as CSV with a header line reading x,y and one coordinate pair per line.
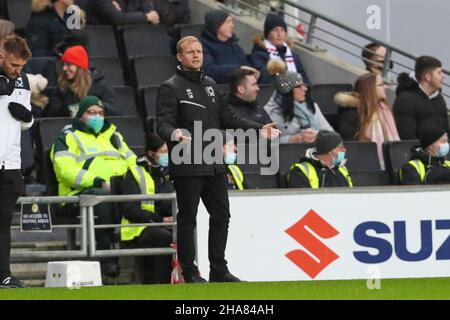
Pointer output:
x,y
443,150
230,158
95,123
339,159
163,160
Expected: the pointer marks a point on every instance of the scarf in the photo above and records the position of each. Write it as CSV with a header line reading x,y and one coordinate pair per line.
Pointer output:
x,y
274,54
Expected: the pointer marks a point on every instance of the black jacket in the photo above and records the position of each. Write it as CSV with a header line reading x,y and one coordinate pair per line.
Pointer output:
x,y
348,116
328,177
248,110
44,31
436,171
190,96
172,13
413,109
104,12
132,209
61,100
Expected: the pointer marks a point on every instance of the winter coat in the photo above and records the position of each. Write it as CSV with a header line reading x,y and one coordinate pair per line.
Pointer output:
x,y
172,13
190,96
328,177
45,30
437,169
65,103
289,128
248,110
104,12
221,58
348,117
260,57
414,109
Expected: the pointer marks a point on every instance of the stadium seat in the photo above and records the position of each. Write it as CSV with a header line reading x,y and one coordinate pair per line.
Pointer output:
x,y
111,68
136,39
362,156
396,154
148,98
370,178
257,181
126,101
191,30
323,95
131,129
102,41
38,65
153,71
288,155
19,12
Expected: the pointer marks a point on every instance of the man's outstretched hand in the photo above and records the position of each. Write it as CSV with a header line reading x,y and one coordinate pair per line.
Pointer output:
x,y
270,131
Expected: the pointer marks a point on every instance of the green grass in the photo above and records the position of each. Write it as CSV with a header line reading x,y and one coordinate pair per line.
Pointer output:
x,y
352,289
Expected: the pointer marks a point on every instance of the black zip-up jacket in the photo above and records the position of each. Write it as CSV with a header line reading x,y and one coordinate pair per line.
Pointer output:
x,y
328,177
190,96
248,110
132,209
414,110
436,172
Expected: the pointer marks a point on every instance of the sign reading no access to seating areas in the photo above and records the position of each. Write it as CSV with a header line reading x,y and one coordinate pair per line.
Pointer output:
x,y
334,236
35,218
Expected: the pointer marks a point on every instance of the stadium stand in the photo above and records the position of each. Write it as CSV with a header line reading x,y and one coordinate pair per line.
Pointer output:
x,y
102,41
111,68
126,101
191,30
162,68
136,40
396,154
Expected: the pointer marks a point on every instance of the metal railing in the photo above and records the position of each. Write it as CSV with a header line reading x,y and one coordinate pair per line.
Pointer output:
x,y
87,226
314,29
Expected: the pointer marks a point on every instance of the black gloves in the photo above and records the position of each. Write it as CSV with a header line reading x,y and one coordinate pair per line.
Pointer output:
x,y
19,112
6,86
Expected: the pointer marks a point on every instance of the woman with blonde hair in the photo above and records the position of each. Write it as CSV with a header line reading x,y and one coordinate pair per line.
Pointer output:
x,y
76,81
365,114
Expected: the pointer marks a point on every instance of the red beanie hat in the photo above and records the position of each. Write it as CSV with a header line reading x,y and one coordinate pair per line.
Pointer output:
x,y
76,55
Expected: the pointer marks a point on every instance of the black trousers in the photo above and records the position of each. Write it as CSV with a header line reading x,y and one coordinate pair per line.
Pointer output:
x,y
11,187
155,269
214,194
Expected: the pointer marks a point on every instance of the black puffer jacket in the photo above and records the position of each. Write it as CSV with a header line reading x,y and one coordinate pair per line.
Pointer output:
x,y
437,169
413,109
190,96
348,116
328,177
62,101
248,110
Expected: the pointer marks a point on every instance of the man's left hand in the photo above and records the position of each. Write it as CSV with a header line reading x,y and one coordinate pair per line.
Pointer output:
x,y
270,131
19,112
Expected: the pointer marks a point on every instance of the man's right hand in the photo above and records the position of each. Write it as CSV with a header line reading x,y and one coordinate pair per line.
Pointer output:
x,y
181,138
6,86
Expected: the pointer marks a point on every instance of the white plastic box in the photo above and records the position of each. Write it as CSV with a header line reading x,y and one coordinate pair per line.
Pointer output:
x,y
73,274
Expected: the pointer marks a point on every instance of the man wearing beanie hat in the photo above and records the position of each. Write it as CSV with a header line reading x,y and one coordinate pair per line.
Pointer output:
x,y
85,156
274,44
322,166
428,164
75,81
221,51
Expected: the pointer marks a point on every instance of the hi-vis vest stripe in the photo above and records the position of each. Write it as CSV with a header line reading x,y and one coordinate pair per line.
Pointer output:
x,y
420,168
310,172
238,176
147,186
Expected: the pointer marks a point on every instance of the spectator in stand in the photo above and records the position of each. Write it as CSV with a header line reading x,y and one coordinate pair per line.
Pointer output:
x,y
323,166
131,12
235,176
221,51
419,101
243,96
373,56
291,108
365,114
48,25
428,164
274,44
77,81
173,13
150,176
85,156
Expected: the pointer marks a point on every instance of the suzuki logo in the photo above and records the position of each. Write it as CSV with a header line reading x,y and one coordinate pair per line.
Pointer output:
x,y
319,256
